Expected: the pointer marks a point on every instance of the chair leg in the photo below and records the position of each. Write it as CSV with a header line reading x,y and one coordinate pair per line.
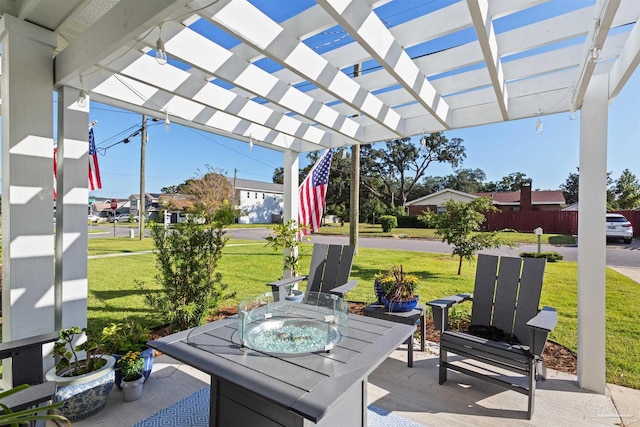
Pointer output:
x,y
541,369
532,387
443,369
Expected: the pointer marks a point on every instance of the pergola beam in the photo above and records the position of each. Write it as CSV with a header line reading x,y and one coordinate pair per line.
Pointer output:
x,y
357,18
187,45
597,34
626,63
123,23
256,29
483,24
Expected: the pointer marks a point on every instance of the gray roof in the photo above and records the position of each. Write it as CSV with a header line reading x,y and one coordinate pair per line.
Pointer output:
x,y
250,185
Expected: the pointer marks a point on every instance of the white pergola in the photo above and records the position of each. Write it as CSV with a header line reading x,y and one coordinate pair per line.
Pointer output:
x,y
294,76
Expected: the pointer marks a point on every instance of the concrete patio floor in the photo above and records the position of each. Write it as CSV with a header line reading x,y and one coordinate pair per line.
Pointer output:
x,y
414,393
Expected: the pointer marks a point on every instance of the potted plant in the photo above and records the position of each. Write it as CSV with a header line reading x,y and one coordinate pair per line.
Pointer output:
x,y
397,289
84,374
131,366
287,236
122,337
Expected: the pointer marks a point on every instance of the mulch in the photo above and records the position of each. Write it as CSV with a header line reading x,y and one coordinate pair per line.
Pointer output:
x,y
555,355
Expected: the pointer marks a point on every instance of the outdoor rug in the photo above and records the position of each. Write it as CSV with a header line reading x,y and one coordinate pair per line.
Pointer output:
x,y
193,411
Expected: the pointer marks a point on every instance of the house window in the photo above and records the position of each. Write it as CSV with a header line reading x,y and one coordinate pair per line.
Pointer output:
x,y
441,209
248,194
255,196
262,196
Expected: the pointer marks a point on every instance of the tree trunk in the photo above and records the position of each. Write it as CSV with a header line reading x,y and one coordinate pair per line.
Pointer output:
x,y
460,265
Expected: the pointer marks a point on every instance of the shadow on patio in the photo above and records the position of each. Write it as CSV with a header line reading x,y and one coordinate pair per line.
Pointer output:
x,y
414,394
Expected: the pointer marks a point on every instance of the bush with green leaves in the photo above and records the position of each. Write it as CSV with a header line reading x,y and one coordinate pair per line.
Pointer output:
x,y
550,256
388,223
186,257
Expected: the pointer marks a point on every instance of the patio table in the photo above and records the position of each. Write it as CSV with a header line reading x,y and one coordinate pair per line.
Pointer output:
x,y
250,387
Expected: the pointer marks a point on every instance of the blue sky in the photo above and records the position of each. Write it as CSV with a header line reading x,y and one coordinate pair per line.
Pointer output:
x,y
498,149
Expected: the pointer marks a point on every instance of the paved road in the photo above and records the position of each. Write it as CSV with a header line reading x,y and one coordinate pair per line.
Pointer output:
x,y
618,254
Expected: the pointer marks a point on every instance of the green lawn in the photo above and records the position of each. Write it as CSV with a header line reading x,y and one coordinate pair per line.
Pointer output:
x,y
369,230
246,268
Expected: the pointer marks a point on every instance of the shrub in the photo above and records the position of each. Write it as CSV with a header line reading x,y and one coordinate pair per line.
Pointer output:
x,y
550,256
410,221
388,222
186,257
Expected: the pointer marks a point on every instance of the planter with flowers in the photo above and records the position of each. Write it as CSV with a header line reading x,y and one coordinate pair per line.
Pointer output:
x,y
122,337
397,289
131,367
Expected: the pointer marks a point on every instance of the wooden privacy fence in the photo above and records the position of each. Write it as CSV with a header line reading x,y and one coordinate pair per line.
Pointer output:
x,y
555,222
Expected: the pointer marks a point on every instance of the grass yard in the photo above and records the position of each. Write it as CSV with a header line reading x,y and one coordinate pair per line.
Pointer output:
x,y
247,266
369,230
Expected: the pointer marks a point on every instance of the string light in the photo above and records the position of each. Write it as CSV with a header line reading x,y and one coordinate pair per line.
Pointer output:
x,y
594,54
250,143
82,97
539,124
572,113
161,53
344,153
167,123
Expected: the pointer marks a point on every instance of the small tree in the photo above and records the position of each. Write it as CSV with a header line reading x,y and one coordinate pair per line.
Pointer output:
x,y
285,236
187,257
460,224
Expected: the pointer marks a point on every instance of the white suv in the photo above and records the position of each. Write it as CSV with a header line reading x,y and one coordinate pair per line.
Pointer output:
x,y
619,227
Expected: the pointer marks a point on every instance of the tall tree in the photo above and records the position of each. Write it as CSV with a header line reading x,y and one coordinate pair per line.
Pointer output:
x,y
392,173
466,180
570,187
627,191
210,190
511,182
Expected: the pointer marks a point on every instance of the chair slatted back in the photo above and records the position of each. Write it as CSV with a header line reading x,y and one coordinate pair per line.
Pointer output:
x,y
330,267
507,293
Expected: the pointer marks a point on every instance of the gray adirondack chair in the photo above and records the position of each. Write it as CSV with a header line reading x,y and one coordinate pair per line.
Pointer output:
x,y
506,297
26,368
328,273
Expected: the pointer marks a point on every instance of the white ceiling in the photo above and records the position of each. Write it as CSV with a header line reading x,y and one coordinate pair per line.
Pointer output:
x,y
282,72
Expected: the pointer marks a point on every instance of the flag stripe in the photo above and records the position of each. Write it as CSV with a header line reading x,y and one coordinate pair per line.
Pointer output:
x,y
93,172
312,195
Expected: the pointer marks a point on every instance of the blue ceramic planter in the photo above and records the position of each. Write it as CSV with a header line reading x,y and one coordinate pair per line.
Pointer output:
x,y
400,306
84,395
295,296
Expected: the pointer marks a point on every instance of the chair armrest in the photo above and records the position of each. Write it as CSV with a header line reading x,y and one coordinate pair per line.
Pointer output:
x,y
449,301
30,396
440,309
545,320
7,348
342,290
287,282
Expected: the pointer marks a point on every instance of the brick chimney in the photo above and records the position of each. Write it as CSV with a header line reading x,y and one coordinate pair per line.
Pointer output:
x,y
525,196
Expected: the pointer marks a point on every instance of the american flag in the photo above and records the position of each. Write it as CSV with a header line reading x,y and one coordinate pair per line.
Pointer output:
x,y
312,194
94,170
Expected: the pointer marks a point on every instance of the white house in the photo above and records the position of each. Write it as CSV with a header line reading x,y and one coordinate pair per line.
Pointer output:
x,y
260,202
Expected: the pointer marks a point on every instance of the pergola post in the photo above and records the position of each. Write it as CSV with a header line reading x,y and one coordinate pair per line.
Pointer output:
x,y
290,189
27,179
71,211
592,198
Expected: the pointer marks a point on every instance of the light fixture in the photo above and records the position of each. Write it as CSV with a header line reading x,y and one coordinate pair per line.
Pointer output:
x,y
161,53
423,141
82,97
539,124
594,54
573,114
167,123
344,153
250,142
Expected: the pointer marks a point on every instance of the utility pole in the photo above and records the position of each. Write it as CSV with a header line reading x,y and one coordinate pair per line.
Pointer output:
x,y
143,152
354,194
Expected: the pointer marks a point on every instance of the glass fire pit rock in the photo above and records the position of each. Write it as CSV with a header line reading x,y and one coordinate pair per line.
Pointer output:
x,y
284,327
